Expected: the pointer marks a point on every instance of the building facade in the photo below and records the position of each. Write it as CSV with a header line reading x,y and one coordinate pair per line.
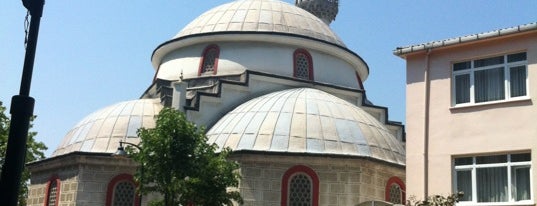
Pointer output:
x,y
470,112
269,80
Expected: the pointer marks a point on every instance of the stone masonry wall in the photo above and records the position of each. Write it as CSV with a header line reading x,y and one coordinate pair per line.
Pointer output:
x,y
342,181
83,179
68,186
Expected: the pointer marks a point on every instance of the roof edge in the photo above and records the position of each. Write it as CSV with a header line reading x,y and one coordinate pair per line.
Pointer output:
x,y
403,51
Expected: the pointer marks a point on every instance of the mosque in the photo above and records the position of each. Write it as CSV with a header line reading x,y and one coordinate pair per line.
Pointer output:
x,y
271,81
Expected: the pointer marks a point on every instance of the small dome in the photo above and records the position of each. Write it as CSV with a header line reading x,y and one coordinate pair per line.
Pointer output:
x,y
261,16
306,121
101,131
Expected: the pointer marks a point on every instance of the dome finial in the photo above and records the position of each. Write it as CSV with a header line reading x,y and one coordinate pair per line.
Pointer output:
x,y
324,9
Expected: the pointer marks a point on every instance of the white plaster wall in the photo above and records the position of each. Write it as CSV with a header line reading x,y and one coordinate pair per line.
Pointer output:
x,y
211,109
236,57
486,129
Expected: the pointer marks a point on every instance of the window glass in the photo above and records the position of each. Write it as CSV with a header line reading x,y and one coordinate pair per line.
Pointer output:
x,y
488,61
302,66
462,85
124,194
491,159
490,79
516,57
464,184
52,194
464,161
300,189
492,184
496,178
209,60
521,157
489,85
521,188
462,66
518,81
395,194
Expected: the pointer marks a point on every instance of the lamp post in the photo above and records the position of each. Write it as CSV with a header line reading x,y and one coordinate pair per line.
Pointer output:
x,y
120,152
22,108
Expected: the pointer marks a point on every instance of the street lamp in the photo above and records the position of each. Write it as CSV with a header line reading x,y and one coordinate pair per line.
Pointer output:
x,y
120,152
22,108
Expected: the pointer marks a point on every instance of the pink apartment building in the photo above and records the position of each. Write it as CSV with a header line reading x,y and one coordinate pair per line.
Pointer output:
x,y
471,117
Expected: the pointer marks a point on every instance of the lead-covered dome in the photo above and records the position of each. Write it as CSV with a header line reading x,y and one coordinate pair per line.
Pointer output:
x,y
308,121
261,16
101,131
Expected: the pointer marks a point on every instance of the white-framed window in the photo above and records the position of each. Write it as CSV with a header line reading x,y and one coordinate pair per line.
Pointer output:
x,y
497,78
494,179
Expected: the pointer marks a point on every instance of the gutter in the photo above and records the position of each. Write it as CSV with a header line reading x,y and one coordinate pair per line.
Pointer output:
x,y
426,125
403,51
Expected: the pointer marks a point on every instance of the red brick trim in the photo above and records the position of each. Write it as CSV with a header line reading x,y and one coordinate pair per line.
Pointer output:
x,y
397,181
52,179
204,54
310,62
300,169
112,184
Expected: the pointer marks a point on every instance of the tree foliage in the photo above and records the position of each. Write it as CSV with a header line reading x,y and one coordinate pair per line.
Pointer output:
x,y
35,151
178,163
436,200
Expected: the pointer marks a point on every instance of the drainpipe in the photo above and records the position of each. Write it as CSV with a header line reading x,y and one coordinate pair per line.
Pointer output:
x,y
426,126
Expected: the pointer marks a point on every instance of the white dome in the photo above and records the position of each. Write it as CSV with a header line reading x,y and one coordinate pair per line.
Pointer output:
x,y
306,121
261,16
101,131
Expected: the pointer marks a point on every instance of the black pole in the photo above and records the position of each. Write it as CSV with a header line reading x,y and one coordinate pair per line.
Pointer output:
x,y
22,107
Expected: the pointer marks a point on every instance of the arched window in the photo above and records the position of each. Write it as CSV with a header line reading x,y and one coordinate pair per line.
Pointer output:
x,y
395,191
300,186
303,64
209,60
122,191
53,191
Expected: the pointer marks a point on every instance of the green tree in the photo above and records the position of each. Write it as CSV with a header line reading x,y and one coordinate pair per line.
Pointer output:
x,y
437,200
179,164
35,151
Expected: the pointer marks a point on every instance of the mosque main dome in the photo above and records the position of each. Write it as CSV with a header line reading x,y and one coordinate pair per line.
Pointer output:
x,y
305,120
261,16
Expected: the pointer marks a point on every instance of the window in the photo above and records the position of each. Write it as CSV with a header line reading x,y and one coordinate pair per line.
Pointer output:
x,y
395,191
300,186
53,192
496,178
490,79
209,60
303,65
122,191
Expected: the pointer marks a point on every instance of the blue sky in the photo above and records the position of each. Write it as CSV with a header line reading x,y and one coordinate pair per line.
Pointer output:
x,y
92,54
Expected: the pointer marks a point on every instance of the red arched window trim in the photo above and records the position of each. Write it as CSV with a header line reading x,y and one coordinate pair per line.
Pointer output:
x,y
204,54
309,59
300,169
52,179
112,184
397,181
